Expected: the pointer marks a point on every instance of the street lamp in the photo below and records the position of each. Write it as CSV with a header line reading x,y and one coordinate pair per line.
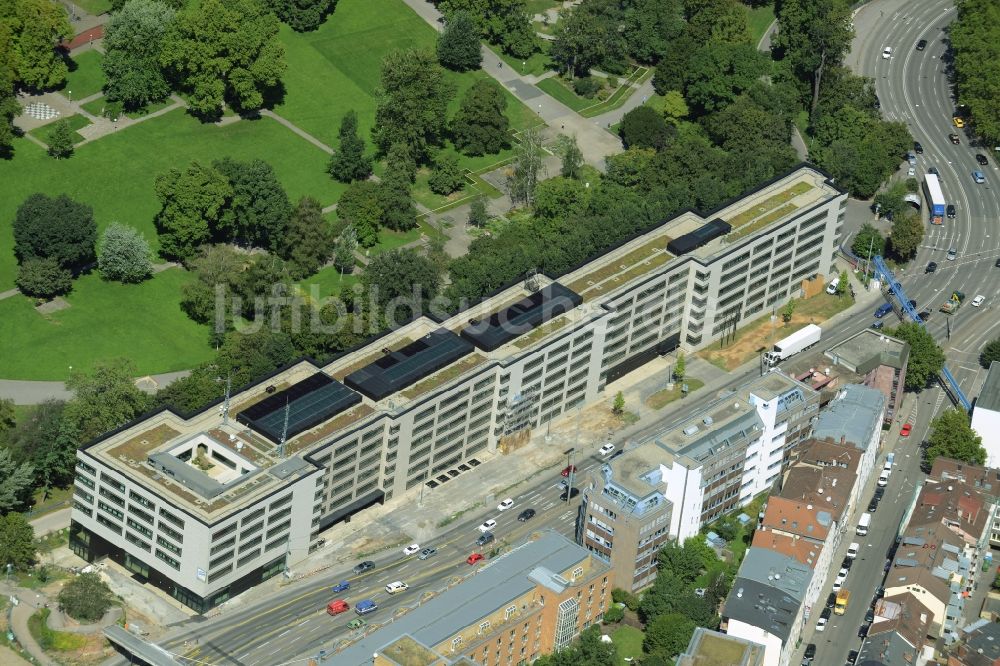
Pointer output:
x,y
70,92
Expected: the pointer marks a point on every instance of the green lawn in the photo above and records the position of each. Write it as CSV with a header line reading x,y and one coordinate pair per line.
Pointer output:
x,y
94,7
555,87
628,642
391,240
539,6
115,174
76,122
87,77
143,322
538,63
328,282
336,68
759,18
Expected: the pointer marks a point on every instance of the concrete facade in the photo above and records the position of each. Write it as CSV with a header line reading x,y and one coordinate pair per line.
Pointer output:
x,y
881,362
408,417
986,415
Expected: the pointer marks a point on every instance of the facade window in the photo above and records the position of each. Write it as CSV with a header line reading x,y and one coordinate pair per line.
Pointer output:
x,y
85,467
110,510
218,548
225,557
280,528
115,527
169,560
250,517
216,575
169,546
114,483
278,516
172,518
140,514
104,492
170,532
225,531
139,499
246,559
131,538
509,612
141,529
484,626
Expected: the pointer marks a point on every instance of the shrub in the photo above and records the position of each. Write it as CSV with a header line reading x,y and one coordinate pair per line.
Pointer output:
x,y
86,598
620,596
587,86
613,615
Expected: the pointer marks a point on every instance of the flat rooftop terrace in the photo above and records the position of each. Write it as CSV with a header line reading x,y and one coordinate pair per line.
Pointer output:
x,y
863,352
628,469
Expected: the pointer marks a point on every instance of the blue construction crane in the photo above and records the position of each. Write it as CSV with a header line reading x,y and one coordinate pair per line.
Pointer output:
x,y
896,289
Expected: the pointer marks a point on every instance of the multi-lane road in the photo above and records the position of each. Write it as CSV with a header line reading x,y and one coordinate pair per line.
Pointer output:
x,y
914,87
295,623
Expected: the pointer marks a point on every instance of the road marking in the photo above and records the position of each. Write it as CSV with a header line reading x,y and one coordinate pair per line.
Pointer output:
x,y
283,633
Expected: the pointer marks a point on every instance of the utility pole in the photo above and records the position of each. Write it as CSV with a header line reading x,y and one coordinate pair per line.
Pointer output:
x,y
569,478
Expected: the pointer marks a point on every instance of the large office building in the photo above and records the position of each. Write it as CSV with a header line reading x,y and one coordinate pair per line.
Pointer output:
x,y
530,601
206,505
986,415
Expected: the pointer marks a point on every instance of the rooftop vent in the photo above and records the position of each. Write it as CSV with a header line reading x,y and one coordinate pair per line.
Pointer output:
x,y
690,430
707,420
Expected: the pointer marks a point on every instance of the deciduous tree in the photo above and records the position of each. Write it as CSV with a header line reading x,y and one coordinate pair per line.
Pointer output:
x,y
9,106
303,15
192,205
952,436
650,28
502,22
15,482
133,43
60,140
926,357
103,399
973,37
17,541
43,278
350,163
258,208
124,254
527,168
446,176
361,207
217,268
308,240
58,228
478,216
343,256
224,51
906,235
401,284
868,239
668,635
720,21
44,442
990,353
29,32
719,72
587,36
481,126
559,198
412,103
86,597
458,46
570,156
642,127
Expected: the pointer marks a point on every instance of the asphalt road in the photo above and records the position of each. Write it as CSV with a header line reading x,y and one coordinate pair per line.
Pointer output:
x,y
296,624
914,87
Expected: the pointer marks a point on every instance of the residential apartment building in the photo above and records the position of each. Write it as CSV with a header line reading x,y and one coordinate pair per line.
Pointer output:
x,y
985,480
854,417
898,634
712,648
525,603
881,362
625,516
986,415
423,402
979,646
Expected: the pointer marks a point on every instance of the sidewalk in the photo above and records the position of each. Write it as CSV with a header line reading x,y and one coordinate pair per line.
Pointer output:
x,y
28,603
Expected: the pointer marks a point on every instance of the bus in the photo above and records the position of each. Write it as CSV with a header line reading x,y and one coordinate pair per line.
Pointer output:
x,y
935,199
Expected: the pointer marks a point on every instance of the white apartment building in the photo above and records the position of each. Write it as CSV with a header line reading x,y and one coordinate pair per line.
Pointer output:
x,y
426,399
986,415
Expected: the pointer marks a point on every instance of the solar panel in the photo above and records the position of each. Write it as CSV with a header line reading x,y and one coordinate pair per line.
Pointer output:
x,y
404,367
309,402
521,317
700,236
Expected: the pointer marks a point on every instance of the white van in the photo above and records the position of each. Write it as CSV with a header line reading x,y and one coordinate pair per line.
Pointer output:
x,y
883,478
852,550
832,287
864,524
398,586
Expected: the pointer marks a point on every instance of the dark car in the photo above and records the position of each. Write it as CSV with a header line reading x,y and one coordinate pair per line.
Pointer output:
x,y
924,315
922,44
950,210
934,171
870,616
863,630
810,650
852,657
982,159
364,566
831,600
826,613
917,148
878,325
931,267
878,104
526,515
887,565
913,303
563,498
342,586
879,492
879,592
954,139
846,564
485,538
997,264
873,506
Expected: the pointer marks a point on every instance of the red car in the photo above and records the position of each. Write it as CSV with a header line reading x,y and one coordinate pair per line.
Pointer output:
x,y
475,557
568,470
337,607
905,430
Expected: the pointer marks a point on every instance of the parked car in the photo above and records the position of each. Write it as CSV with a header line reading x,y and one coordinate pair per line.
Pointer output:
x,y
342,586
873,505
568,470
821,624
954,139
526,515
959,122
978,177
364,566
412,548
852,657
879,492
950,211
863,630
981,159
488,525
905,430
911,159
475,557
997,264
852,550
846,564
427,552
917,148
924,315
870,616
606,449
506,504
485,538
831,600
922,44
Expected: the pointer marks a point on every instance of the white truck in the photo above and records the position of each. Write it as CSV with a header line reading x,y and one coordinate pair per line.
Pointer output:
x,y
801,339
863,524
